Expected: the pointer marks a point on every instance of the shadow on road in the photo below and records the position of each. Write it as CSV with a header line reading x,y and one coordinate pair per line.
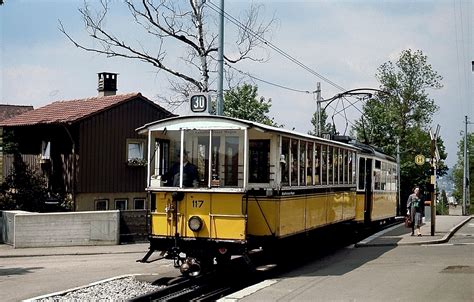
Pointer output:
x,y
9,271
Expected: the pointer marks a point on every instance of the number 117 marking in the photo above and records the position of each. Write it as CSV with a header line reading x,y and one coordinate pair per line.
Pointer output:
x,y
197,203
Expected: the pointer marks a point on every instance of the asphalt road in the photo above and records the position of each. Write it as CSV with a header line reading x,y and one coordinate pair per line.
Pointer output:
x,y
443,272
27,277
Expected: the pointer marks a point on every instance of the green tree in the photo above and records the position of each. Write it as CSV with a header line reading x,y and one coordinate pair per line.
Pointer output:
x,y
22,188
458,170
405,112
325,126
243,102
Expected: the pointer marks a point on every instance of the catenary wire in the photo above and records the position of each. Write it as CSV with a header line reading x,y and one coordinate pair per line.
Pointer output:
x,y
268,82
236,22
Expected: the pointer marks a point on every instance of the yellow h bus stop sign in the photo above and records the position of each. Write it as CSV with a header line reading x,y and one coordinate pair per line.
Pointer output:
x,y
419,159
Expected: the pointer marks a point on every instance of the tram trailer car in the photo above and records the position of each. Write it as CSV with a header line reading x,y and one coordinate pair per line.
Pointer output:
x,y
255,185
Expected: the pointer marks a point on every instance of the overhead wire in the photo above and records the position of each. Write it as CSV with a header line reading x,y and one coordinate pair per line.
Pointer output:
x,y
267,82
236,22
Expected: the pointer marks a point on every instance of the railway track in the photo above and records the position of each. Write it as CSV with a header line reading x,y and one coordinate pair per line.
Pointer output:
x,y
219,283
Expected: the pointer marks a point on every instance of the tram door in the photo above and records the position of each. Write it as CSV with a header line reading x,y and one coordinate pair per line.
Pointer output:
x,y
368,190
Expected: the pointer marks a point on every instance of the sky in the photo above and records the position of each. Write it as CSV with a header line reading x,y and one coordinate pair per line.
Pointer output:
x,y
344,41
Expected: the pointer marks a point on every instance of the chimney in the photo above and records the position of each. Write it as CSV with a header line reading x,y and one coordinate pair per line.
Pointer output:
x,y
107,83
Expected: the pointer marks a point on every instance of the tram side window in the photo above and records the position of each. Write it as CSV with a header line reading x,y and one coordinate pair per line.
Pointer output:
x,y
317,166
336,165
285,161
330,165
259,165
302,178
341,166
294,162
378,175
324,162
347,170
309,170
383,179
353,169
361,185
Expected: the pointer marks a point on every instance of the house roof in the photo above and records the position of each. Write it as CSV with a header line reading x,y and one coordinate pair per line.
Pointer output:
x,y
9,111
67,112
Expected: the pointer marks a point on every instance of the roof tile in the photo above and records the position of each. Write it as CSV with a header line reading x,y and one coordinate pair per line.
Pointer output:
x,y
67,111
9,111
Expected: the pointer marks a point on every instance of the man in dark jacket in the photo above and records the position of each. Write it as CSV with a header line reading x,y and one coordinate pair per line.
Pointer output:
x,y
190,174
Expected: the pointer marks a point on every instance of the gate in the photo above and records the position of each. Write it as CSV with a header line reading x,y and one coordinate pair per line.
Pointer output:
x,y
134,226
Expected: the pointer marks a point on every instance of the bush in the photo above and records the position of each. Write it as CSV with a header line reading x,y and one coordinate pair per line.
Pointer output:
x,y
23,189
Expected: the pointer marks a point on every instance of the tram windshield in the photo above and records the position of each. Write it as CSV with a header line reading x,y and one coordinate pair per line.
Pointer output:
x,y
204,158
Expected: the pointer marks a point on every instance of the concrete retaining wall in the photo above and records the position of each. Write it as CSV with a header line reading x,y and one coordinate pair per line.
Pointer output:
x,y
7,226
66,229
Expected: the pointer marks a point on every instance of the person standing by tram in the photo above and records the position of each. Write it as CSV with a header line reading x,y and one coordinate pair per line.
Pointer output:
x,y
415,211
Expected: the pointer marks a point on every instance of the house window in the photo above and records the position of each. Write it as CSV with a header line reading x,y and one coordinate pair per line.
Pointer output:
x,y
136,151
121,204
46,150
139,203
101,204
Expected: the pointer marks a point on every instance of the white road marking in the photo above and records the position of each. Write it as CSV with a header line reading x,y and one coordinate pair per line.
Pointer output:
x,y
369,239
248,291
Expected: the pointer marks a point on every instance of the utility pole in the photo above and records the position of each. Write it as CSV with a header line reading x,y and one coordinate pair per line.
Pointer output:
x,y
464,179
434,163
220,59
318,108
398,178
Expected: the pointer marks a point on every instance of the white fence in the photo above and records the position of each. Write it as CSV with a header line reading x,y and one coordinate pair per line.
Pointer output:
x,y
25,229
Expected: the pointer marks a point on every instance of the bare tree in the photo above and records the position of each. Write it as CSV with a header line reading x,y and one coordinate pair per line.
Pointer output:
x,y
189,24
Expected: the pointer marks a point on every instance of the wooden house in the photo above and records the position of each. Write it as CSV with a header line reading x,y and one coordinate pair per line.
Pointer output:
x,y
88,148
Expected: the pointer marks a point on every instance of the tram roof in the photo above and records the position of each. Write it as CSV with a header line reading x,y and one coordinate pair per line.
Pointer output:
x,y
367,149
202,122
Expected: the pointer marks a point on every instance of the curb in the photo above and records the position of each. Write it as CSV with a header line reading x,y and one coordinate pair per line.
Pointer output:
x,y
454,229
71,254
445,238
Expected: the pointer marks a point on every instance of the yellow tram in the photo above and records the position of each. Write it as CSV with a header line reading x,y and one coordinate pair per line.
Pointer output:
x,y
221,186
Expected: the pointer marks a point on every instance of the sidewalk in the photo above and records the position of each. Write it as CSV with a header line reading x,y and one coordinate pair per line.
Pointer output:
x,y
445,227
7,251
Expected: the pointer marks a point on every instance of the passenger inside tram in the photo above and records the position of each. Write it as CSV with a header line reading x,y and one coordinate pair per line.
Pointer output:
x,y
190,174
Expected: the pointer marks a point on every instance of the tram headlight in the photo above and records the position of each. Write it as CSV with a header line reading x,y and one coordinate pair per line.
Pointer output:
x,y
195,223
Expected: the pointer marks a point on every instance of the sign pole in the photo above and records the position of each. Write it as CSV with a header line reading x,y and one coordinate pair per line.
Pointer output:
x,y
433,188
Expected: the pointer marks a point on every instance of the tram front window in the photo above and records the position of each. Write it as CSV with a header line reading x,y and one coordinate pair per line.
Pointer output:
x,y
210,158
